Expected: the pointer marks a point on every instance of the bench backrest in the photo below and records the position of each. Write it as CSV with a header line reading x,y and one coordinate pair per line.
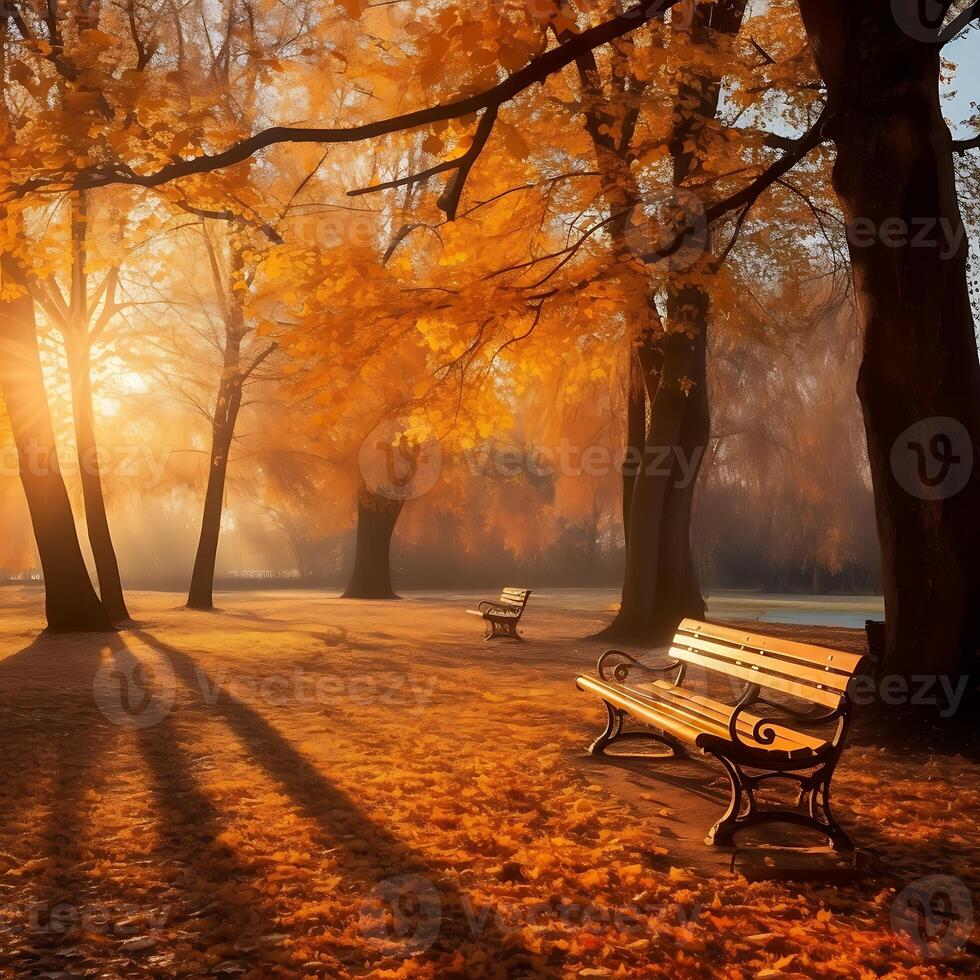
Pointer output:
x,y
811,673
515,597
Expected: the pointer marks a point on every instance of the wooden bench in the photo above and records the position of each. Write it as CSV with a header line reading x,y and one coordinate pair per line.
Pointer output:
x,y
502,615
811,689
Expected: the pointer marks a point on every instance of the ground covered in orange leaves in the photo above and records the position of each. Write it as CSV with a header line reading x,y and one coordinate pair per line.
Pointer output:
x,y
318,787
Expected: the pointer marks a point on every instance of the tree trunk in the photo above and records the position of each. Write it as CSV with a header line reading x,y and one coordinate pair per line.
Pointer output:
x,y
919,381
678,584
661,584
70,601
201,593
96,520
376,519
636,427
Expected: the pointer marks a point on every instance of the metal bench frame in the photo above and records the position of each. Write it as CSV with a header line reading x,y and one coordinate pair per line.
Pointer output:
x,y
748,764
502,615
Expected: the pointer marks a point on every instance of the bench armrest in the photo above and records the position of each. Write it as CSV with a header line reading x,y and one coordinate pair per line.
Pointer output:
x,y
813,714
490,604
764,732
614,665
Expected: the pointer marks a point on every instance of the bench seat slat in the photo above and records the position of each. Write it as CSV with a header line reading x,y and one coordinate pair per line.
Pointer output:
x,y
640,708
716,723
723,713
806,653
688,721
714,717
807,692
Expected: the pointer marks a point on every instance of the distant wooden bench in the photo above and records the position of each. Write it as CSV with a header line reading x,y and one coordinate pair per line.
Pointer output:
x,y
502,615
769,744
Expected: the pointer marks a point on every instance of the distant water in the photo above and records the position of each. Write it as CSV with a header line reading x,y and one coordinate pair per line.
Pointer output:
x,y
815,610
799,610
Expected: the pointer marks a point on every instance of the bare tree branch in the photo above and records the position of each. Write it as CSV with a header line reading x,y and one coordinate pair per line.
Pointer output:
x,y
964,146
536,70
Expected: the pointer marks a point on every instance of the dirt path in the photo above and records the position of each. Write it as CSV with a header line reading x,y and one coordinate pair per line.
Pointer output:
x,y
303,765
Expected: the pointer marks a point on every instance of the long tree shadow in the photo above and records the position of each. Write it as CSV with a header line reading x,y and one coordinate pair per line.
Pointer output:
x,y
373,860
51,742
60,743
202,873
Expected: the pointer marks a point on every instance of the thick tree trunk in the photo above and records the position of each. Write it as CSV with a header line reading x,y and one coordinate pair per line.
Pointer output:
x,y
96,519
678,583
919,382
70,600
660,584
201,593
376,520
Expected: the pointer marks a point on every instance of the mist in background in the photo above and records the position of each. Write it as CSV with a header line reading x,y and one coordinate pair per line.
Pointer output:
x,y
783,504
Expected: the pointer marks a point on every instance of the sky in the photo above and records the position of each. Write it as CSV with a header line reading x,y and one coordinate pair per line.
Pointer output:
x,y
966,53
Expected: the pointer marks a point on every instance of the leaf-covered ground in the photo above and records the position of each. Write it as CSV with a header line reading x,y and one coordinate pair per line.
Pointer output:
x,y
321,788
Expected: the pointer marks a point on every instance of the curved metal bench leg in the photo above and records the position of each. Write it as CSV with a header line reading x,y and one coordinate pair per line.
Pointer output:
x,y
821,813
501,628
615,731
722,834
743,810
